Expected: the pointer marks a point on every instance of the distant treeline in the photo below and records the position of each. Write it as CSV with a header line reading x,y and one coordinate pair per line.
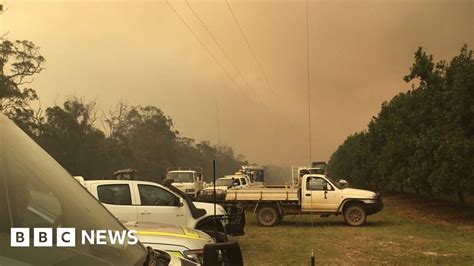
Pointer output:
x,y
423,139
136,137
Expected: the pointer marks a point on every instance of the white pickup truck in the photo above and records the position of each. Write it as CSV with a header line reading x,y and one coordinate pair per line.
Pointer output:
x,y
141,201
316,194
237,181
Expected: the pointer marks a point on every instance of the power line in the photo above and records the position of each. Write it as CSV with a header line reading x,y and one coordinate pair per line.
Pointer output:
x,y
218,44
205,47
249,46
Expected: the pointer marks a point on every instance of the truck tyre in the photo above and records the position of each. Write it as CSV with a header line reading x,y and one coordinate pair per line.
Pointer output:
x,y
355,215
268,216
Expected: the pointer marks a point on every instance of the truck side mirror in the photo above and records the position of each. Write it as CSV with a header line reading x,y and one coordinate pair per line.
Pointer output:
x,y
342,182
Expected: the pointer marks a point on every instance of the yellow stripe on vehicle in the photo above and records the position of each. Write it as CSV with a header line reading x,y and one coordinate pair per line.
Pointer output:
x,y
155,233
189,233
176,253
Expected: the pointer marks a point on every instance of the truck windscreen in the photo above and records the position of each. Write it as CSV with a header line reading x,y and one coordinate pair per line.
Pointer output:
x,y
181,177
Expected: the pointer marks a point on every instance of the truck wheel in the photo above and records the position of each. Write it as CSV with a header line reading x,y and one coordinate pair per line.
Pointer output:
x,y
355,215
268,216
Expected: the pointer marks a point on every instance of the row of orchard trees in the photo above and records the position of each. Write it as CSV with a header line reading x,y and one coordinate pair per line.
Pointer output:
x,y
421,140
136,137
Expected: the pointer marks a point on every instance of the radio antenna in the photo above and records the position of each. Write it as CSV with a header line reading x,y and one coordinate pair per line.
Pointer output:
x,y
215,206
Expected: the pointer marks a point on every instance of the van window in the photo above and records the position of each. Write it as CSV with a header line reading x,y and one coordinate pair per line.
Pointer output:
x,y
118,194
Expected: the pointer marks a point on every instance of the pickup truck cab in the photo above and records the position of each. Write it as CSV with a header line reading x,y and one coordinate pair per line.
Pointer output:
x,y
317,194
222,185
232,181
142,201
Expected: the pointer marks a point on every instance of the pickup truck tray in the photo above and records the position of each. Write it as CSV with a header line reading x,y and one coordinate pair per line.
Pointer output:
x,y
259,194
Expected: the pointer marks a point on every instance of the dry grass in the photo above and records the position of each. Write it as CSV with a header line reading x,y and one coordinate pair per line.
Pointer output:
x,y
390,237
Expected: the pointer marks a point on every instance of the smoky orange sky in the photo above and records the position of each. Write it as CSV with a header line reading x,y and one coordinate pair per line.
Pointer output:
x,y
140,52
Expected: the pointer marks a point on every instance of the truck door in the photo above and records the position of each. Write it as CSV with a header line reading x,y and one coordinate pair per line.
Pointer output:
x,y
319,195
117,198
159,205
199,183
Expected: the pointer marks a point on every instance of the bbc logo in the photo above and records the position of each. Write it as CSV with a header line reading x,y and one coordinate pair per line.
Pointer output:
x,y
66,237
42,237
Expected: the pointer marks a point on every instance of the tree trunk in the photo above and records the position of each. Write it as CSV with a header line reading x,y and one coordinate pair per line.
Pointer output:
x,y
401,188
417,191
461,198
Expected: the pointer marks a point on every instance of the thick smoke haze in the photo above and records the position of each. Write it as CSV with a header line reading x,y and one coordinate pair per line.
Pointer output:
x,y
140,51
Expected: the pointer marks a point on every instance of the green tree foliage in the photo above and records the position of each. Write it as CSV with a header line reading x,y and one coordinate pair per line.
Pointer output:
x,y
142,138
19,61
422,139
69,135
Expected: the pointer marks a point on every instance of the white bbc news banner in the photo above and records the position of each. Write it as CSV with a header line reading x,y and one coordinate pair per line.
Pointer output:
x,y
66,237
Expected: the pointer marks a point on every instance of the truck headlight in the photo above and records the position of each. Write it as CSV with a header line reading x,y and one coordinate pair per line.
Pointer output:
x,y
195,255
375,196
